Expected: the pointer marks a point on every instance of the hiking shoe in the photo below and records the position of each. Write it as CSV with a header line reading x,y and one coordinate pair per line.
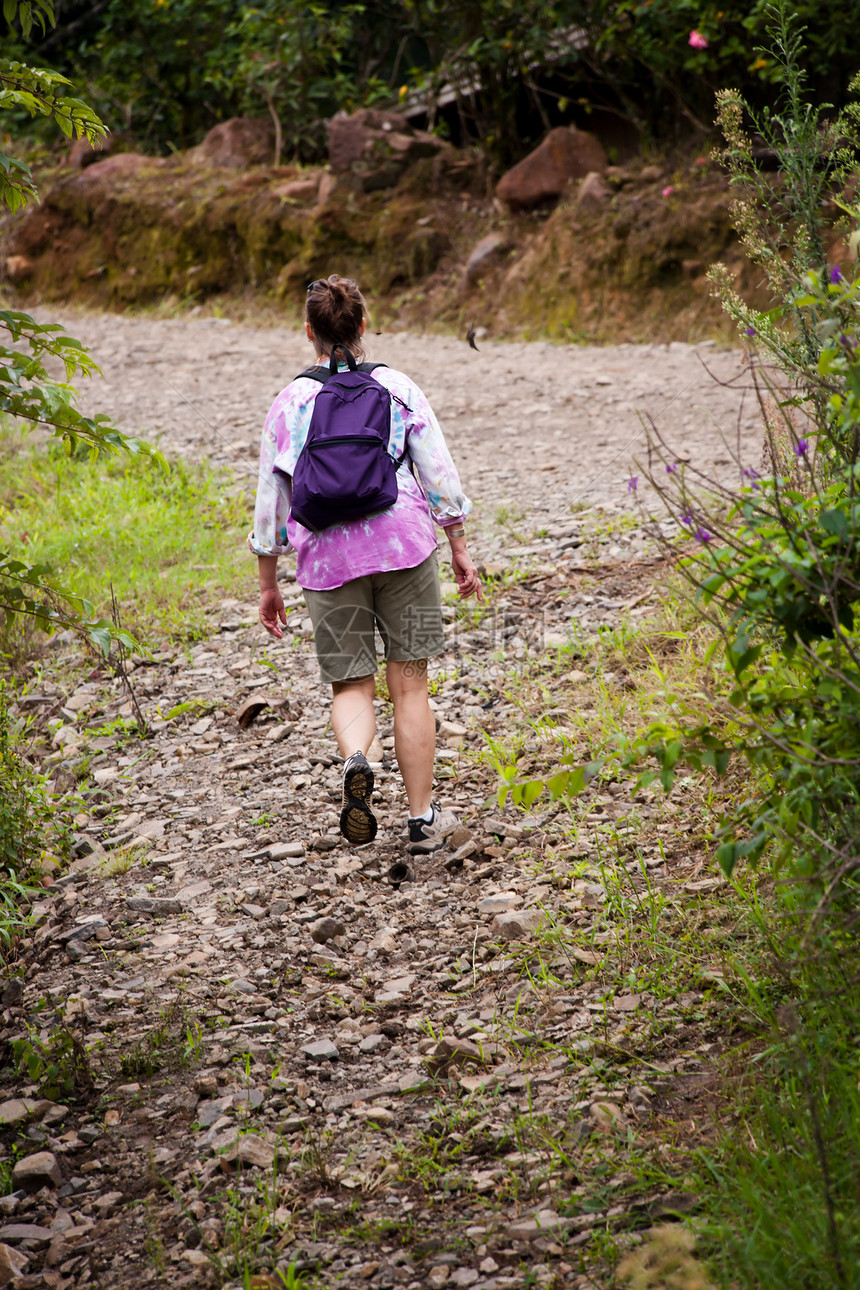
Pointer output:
x,y
429,835
357,821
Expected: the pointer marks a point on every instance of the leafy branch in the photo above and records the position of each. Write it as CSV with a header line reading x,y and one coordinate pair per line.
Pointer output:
x,y
27,390
32,591
36,91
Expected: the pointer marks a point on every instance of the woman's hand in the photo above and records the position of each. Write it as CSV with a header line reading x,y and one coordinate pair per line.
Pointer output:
x,y
272,611
468,581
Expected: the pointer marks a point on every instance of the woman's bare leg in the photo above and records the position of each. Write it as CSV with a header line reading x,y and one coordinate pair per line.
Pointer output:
x,y
414,731
352,716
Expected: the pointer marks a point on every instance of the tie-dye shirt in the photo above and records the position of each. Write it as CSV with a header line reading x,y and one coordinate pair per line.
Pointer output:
x,y
398,538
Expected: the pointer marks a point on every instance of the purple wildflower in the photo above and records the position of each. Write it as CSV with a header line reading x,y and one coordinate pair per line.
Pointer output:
x,y
801,448
702,535
750,331
750,473
836,274
633,484
673,469
687,518
847,342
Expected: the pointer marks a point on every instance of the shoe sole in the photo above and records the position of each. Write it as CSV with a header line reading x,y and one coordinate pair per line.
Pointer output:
x,y
357,821
426,848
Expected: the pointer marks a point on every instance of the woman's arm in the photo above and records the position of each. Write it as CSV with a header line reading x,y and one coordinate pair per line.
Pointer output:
x,y
272,505
427,448
440,481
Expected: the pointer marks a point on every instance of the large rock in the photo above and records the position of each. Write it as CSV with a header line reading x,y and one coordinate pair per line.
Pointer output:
x,y
517,925
34,1233
32,1173
377,146
565,154
351,137
240,142
325,929
16,1111
158,906
320,1050
82,153
502,902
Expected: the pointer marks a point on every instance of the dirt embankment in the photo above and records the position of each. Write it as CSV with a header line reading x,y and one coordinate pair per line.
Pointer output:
x,y
434,251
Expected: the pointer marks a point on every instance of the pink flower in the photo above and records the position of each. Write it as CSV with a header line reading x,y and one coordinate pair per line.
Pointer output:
x,y
668,191
697,40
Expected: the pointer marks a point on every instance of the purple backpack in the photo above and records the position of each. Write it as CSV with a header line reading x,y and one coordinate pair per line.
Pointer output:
x,y
345,471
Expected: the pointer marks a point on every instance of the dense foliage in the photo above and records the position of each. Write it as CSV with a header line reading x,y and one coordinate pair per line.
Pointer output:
x,y
502,70
778,558
775,561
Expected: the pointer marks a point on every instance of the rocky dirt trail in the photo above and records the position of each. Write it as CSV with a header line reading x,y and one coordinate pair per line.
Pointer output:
x,y
536,426
275,1056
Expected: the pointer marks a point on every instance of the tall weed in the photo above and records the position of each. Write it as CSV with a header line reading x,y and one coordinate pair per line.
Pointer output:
x,y
27,823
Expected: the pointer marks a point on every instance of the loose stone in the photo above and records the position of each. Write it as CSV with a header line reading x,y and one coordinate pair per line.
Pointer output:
x,y
37,1171
158,906
320,1050
518,925
13,1265
501,903
325,929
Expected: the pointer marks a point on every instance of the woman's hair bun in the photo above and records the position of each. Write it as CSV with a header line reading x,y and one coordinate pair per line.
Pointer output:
x,y
335,310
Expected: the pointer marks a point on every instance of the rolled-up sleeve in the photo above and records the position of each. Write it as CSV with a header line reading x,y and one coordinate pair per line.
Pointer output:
x,y
272,506
437,473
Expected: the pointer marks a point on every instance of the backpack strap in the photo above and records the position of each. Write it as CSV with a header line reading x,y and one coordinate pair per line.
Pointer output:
x,y
314,374
323,374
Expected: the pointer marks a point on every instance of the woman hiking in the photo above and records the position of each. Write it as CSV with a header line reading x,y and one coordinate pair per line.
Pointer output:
x,y
366,551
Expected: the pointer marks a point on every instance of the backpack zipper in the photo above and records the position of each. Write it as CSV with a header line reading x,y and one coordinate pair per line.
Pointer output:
x,y
348,438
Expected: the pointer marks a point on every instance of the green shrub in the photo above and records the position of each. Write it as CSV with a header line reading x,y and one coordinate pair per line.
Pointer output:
x,y
778,556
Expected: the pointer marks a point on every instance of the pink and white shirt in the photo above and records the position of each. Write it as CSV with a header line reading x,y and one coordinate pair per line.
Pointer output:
x,y
398,538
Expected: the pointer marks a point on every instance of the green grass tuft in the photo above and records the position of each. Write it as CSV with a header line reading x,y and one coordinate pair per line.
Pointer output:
x,y
168,543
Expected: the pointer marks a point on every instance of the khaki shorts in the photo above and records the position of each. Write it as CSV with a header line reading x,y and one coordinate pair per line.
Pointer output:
x,y
405,605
